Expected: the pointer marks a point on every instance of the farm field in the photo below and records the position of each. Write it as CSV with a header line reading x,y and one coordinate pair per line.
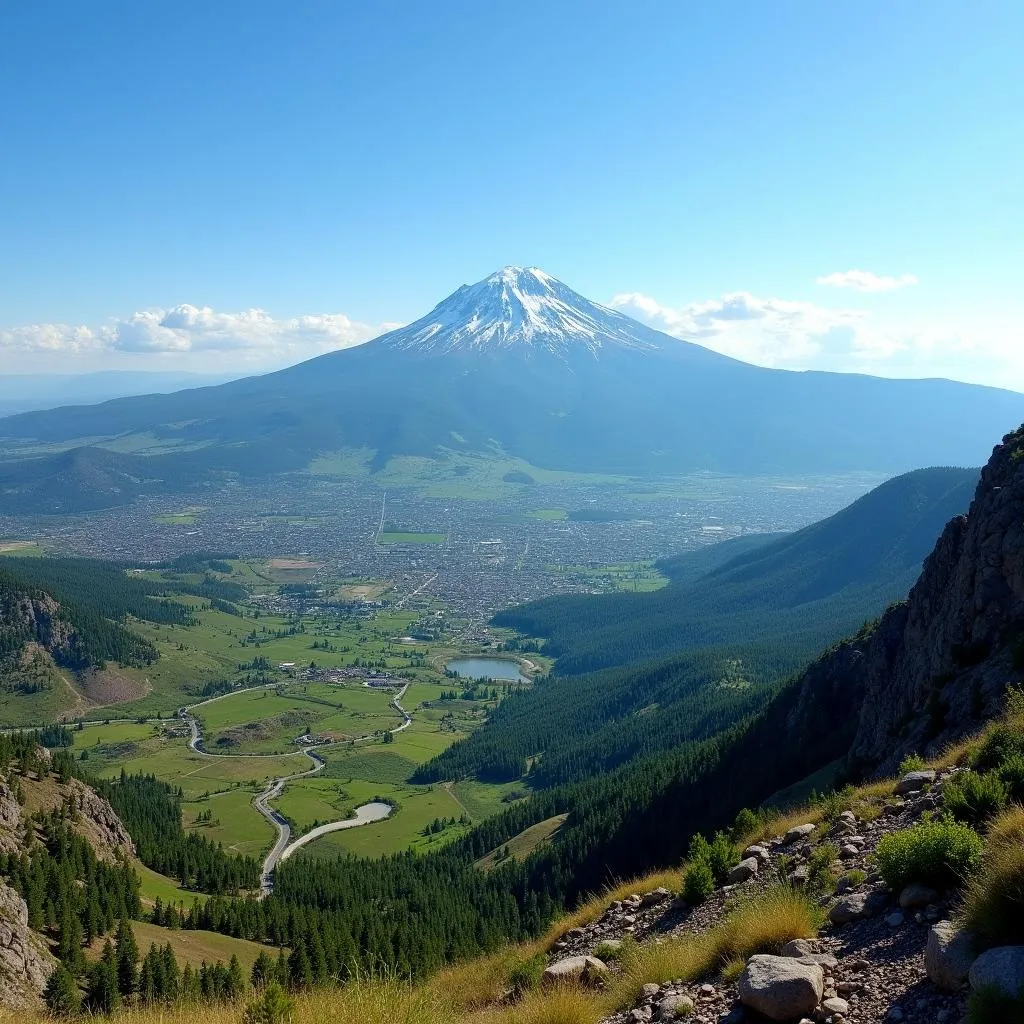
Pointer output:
x,y
266,721
408,537
523,844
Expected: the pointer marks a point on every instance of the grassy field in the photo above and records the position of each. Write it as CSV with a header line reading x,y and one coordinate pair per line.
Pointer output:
x,y
635,577
234,822
522,845
267,721
21,548
187,517
408,537
191,947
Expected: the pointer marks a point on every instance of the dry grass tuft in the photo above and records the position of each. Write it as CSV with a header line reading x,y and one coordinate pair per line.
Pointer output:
x,y
994,898
562,1005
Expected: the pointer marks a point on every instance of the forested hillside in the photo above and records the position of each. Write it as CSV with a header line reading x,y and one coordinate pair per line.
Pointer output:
x,y
812,586
738,631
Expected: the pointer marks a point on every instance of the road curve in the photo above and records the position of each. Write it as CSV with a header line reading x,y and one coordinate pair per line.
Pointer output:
x,y
283,846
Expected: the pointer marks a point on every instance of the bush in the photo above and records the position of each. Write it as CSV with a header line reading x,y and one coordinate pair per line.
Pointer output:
x,y
698,883
938,853
912,763
273,1007
1001,745
974,799
820,866
765,923
1011,774
746,824
609,954
721,856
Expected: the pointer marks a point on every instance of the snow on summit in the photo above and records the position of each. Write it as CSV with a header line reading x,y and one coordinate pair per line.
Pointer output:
x,y
518,308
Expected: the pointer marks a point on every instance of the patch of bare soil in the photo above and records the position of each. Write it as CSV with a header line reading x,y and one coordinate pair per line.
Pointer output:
x,y
112,685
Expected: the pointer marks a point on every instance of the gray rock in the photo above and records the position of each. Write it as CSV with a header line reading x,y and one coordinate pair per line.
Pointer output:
x,y
849,908
673,1006
650,990
915,896
1001,969
948,956
799,947
912,782
798,832
894,920
781,987
744,870
835,1005
758,851
586,970
649,899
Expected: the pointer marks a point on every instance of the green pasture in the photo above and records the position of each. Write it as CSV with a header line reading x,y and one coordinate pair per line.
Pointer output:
x,y
235,822
408,537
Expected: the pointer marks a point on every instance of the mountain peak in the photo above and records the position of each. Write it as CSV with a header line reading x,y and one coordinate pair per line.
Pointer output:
x,y
520,308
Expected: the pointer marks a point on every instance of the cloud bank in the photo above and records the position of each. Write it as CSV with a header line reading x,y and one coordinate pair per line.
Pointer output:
x,y
252,335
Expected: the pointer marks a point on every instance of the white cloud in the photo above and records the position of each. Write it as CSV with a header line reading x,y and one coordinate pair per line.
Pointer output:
x,y
253,335
866,281
771,332
803,336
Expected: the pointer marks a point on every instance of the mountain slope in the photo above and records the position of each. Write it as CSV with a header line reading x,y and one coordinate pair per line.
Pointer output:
x,y
725,641
811,586
522,364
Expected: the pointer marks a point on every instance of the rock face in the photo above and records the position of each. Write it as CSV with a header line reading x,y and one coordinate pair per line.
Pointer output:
x,y
1001,969
107,831
781,988
25,962
935,667
939,664
948,956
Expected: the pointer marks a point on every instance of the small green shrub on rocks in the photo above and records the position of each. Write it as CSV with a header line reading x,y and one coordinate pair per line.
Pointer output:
x,y
994,901
698,883
940,853
975,799
525,975
274,1006
912,763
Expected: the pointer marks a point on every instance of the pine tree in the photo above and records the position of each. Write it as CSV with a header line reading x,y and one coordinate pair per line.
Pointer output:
x,y
127,958
236,978
61,995
102,993
69,945
262,970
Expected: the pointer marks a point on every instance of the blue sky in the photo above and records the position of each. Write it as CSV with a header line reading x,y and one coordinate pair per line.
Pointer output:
x,y
241,184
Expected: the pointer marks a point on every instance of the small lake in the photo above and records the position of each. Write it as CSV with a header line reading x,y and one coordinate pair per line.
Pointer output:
x,y
486,668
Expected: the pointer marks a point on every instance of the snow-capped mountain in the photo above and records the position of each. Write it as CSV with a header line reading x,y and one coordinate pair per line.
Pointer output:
x,y
519,366
521,307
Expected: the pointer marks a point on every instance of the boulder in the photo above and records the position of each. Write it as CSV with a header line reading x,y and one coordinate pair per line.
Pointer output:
x,y
1000,969
673,1006
586,970
915,896
780,987
849,908
758,851
649,899
744,870
798,832
948,956
836,1005
913,782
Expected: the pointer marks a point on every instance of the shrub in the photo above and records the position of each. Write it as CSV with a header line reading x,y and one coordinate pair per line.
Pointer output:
x,y
1011,774
912,763
746,824
974,799
854,878
721,856
1000,745
820,866
698,883
938,853
525,975
273,1007
609,954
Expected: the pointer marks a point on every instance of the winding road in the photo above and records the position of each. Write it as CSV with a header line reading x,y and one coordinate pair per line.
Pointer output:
x,y
284,845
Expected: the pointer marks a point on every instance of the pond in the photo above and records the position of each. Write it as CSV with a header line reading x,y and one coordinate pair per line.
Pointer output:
x,y
486,668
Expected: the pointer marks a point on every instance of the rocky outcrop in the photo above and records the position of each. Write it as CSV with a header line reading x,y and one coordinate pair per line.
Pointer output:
x,y
781,987
104,828
935,667
25,962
